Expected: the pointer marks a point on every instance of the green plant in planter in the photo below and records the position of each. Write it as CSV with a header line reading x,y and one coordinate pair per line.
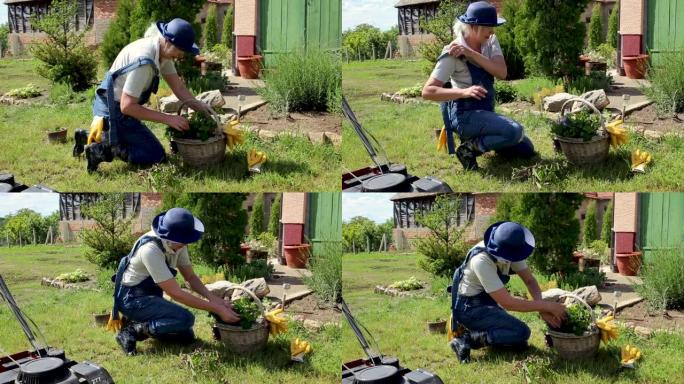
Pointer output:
x,y
248,311
409,284
577,321
26,92
202,127
581,125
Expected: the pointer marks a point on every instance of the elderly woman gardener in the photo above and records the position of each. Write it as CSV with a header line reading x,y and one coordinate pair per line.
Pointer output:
x,y
471,62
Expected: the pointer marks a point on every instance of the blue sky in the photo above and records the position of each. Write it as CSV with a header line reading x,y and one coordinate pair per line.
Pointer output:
x,y
380,13
43,203
3,12
375,206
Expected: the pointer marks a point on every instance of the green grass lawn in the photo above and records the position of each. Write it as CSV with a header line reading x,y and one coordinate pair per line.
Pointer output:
x,y
64,317
294,164
406,131
398,325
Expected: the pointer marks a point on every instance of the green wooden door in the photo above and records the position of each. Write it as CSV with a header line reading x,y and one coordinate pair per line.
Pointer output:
x,y
661,221
297,25
324,220
664,31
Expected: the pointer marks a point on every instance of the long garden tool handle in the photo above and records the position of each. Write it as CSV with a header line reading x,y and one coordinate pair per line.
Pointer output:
x,y
211,113
591,311
7,295
587,103
254,297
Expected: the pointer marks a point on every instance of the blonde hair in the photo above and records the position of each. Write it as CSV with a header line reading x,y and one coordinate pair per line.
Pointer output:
x,y
459,28
152,31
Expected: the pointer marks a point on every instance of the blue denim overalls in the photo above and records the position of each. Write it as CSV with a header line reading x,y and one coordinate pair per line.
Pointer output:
x,y
482,313
124,131
472,118
144,302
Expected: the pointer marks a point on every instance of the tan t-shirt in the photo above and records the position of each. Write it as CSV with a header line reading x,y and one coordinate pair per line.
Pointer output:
x,y
456,69
134,83
149,260
480,274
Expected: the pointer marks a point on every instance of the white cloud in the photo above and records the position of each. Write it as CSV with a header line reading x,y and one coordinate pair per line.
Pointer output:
x,y
375,206
380,13
43,203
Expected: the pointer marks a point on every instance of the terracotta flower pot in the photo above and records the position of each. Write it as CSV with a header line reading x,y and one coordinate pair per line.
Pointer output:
x,y
635,66
437,326
296,255
249,66
628,264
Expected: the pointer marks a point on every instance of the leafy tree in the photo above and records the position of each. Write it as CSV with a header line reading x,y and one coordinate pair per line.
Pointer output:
x,y
607,224
445,247
441,26
24,223
64,56
362,40
590,225
256,218
147,12
4,32
211,28
224,224
613,26
551,218
274,217
506,36
551,37
595,28
358,232
118,34
111,238
227,37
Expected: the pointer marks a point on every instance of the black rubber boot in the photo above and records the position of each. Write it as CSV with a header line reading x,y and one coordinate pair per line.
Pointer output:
x,y
80,141
467,154
120,153
463,344
133,333
96,154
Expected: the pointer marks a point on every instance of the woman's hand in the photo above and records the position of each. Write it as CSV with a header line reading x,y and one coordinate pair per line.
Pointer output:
x,y
477,92
554,314
227,314
197,105
178,123
456,50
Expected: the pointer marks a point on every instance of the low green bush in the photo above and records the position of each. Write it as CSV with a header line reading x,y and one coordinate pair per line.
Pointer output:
x,y
409,284
62,93
254,270
309,81
325,265
572,280
581,125
577,321
209,82
527,88
596,80
505,92
667,83
26,92
663,286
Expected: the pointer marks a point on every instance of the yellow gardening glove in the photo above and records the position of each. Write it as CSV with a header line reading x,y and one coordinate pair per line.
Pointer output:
x,y
114,325
442,141
609,330
630,355
255,160
299,348
618,135
234,135
96,128
277,324
639,160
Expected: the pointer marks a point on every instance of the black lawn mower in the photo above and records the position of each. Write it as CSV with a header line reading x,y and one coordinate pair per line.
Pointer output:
x,y
383,175
8,184
377,368
43,364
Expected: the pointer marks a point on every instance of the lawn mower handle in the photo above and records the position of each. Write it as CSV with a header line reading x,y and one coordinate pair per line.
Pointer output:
x,y
7,295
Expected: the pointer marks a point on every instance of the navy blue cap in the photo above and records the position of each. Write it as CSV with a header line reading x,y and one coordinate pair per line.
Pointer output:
x,y
481,13
181,34
178,225
509,240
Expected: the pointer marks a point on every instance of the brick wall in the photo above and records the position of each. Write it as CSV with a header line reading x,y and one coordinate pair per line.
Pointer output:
x,y
408,44
246,18
632,16
294,208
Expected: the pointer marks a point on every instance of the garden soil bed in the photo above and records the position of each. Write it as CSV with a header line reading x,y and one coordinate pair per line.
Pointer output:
x,y
304,122
638,315
307,308
646,119
519,106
